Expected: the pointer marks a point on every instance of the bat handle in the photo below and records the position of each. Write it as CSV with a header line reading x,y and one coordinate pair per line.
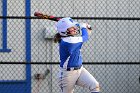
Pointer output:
x,y
89,27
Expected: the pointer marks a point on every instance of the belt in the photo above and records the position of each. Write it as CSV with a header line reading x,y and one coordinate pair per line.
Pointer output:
x,y
73,68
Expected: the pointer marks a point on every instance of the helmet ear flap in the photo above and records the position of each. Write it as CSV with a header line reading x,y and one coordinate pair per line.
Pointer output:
x,y
63,33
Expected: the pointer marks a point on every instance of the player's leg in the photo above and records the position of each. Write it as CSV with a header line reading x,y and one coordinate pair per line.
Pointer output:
x,y
67,80
87,80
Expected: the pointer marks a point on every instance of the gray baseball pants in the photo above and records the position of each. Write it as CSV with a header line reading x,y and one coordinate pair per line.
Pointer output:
x,y
80,77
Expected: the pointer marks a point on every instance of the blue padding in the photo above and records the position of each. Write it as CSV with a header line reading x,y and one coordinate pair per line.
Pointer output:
x,y
4,28
28,46
5,50
13,88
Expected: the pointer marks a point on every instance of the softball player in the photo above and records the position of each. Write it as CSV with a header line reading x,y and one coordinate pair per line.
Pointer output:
x,y
72,71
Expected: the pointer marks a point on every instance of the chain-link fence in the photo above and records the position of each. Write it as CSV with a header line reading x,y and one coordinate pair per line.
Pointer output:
x,y
30,60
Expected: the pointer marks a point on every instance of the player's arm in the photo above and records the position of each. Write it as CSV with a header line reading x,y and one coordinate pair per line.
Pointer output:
x,y
84,30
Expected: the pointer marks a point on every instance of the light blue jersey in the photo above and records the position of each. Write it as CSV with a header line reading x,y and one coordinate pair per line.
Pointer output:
x,y
70,55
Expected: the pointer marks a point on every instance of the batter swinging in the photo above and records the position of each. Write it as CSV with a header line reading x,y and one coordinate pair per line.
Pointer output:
x,y
72,71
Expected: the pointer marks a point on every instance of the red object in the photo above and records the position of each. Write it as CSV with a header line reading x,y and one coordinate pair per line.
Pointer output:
x,y
37,14
51,16
58,19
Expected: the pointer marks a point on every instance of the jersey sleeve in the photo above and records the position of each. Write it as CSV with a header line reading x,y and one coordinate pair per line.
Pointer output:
x,y
84,34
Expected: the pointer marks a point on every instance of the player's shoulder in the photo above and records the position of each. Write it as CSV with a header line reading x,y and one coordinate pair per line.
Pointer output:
x,y
72,39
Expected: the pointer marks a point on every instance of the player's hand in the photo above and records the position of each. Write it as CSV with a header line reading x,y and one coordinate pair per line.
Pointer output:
x,y
87,26
89,29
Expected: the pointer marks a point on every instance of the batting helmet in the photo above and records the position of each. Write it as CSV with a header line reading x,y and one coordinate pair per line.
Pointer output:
x,y
63,24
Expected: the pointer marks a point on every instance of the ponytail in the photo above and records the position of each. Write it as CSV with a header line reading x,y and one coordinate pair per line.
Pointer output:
x,y
57,38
